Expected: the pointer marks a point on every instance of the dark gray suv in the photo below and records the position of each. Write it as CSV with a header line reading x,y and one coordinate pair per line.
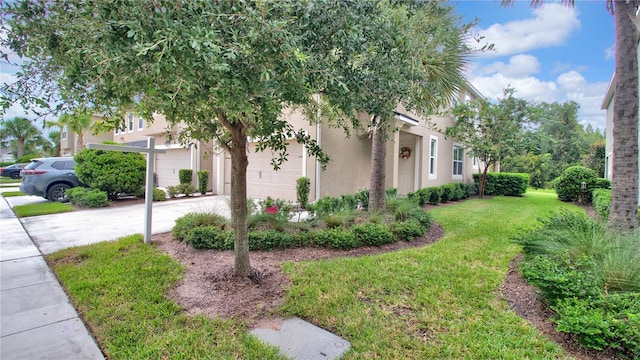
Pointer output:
x,y
49,178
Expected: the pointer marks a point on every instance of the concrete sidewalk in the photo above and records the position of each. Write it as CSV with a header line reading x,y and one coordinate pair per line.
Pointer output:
x,y
36,319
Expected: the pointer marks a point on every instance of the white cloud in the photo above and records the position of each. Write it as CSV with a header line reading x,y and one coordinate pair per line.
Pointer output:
x,y
519,66
550,26
610,52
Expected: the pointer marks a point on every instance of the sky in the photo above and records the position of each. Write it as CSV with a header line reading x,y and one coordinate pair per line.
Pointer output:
x,y
554,53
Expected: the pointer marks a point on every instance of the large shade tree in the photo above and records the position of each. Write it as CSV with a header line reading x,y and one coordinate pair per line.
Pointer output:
x,y
623,214
225,69
389,54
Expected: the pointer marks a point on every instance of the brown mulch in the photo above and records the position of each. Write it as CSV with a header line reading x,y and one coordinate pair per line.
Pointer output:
x,y
209,287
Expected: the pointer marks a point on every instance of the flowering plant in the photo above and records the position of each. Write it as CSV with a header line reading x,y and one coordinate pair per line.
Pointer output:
x,y
405,152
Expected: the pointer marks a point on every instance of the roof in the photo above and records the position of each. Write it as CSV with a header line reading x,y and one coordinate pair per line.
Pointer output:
x,y
608,96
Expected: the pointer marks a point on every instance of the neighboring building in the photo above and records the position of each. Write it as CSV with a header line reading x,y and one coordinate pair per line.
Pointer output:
x,y
6,155
418,156
607,104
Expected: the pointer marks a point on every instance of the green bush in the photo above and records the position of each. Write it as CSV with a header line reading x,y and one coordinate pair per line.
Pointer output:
x,y
403,209
611,320
203,181
25,158
448,191
209,237
186,189
569,184
173,191
406,230
84,197
336,239
113,172
268,240
602,202
435,195
505,184
303,187
194,220
422,217
470,190
159,195
602,183
370,234
185,176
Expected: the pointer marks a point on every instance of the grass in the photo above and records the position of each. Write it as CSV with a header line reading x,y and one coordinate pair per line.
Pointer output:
x,y
13,193
120,289
41,209
437,302
5,181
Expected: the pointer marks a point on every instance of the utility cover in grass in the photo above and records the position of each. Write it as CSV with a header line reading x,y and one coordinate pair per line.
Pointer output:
x,y
300,340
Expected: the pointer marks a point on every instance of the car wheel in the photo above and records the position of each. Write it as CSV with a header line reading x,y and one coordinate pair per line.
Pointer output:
x,y
15,175
57,193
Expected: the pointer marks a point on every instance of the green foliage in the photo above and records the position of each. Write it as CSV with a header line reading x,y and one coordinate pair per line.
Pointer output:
x,y
209,237
447,192
458,192
269,239
185,176
186,189
403,210
41,209
538,166
84,197
338,238
568,185
435,197
602,202
602,183
113,172
303,187
172,191
421,217
159,195
505,184
203,181
26,158
406,230
470,190
370,234
192,221
595,158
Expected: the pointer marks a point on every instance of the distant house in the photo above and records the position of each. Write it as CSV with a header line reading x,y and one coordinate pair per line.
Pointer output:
x,y
418,156
6,155
607,104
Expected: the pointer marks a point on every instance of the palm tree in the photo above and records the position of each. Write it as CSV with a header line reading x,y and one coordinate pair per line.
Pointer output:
x,y
623,214
77,123
19,130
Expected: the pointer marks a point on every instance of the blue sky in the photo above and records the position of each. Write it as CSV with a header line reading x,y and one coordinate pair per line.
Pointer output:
x,y
554,53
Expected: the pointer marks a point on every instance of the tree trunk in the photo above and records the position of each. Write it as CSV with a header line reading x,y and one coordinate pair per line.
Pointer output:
x,y
623,213
377,193
483,181
239,163
79,141
20,147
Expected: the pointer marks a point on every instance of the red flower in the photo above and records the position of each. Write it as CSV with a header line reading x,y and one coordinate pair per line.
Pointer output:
x,y
272,210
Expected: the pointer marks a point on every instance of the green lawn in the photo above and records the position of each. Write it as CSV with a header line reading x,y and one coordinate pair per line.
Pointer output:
x,y
41,209
13,193
5,181
441,301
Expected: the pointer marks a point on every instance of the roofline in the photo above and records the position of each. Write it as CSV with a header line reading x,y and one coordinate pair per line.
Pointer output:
x,y
608,95
472,89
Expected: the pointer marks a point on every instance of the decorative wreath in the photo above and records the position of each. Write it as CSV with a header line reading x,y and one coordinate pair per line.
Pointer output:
x,y
405,152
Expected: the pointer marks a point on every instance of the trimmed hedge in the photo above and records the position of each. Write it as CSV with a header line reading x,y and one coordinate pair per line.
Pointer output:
x,y
185,176
602,202
113,172
83,197
505,184
569,184
203,181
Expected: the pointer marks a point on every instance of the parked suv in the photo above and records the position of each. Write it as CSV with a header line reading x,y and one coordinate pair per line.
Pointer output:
x,y
49,178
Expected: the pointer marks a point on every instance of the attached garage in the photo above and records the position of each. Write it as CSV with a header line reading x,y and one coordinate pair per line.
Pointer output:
x,y
263,180
169,164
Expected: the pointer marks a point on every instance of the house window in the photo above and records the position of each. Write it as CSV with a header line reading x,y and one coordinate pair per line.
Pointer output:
x,y
140,123
458,160
130,122
454,99
433,153
63,132
475,162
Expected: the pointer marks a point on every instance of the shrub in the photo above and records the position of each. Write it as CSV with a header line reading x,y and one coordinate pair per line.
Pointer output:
x,y
194,220
186,189
303,187
84,197
185,176
336,239
372,234
447,192
269,239
421,217
602,183
159,195
470,190
173,191
505,184
403,210
458,193
568,185
209,237
113,172
406,230
435,196
203,181
602,202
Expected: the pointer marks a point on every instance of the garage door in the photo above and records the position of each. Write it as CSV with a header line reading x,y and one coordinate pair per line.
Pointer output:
x,y
263,181
169,164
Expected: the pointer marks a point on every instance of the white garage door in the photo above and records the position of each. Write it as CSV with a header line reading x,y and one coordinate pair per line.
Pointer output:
x,y
263,181
169,164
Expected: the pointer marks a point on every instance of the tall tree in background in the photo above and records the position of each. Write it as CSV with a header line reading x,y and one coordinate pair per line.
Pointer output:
x,y
226,69
490,131
19,131
77,122
389,54
623,214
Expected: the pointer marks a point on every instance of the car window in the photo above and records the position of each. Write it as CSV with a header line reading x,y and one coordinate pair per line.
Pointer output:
x,y
69,165
33,165
58,165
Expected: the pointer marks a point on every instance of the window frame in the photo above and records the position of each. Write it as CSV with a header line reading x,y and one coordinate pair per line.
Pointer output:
x,y
433,157
457,164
